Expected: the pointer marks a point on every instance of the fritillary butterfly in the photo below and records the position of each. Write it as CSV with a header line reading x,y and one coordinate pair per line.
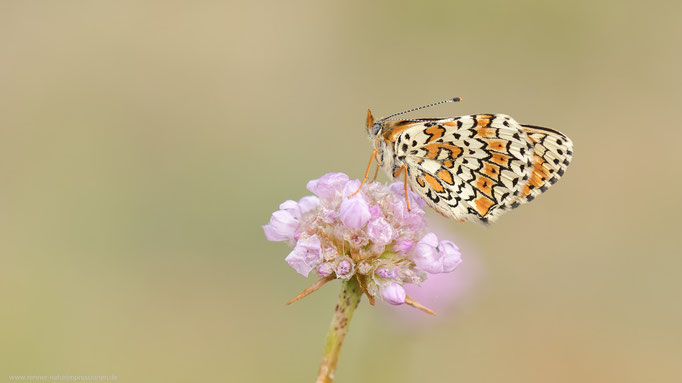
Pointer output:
x,y
470,168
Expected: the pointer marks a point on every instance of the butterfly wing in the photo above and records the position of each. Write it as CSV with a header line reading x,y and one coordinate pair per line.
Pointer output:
x,y
552,153
469,167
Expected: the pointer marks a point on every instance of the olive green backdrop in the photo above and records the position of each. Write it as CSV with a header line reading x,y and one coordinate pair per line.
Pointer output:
x,y
143,144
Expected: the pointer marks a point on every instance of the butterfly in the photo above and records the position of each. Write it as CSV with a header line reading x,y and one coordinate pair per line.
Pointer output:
x,y
469,168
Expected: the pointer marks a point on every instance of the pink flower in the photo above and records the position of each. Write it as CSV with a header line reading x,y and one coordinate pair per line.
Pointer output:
x,y
393,293
375,211
325,269
380,231
306,255
402,246
413,218
308,203
398,188
354,212
372,225
386,273
436,257
291,207
283,223
345,268
326,186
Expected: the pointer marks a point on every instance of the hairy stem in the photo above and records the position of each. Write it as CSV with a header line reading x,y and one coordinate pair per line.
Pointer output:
x,y
343,313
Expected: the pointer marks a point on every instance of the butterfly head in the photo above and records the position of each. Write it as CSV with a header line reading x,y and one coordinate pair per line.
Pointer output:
x,y
373,128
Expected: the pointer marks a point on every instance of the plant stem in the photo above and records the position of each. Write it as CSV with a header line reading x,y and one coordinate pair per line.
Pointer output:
x,y
343,313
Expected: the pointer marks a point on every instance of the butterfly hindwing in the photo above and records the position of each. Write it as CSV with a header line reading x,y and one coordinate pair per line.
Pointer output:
x,y
552,153
469,167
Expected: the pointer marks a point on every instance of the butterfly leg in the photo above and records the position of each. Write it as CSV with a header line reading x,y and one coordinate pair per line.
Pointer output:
x,y
395,175
376,171
369,166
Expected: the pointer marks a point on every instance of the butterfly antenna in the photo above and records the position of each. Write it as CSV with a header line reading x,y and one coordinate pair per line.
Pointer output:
x,y
455,99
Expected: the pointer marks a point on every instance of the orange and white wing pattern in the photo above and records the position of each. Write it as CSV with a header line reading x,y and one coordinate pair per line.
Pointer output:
x,y
467,168
552,153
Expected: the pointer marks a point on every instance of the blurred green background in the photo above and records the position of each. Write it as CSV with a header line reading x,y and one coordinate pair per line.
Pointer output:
x,y
143,145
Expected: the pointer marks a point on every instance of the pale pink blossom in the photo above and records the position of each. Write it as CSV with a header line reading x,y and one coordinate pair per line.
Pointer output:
x,y
343,224
306,255
435,257
380,231
354,212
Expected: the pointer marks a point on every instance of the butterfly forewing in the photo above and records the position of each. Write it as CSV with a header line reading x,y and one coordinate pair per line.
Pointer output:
x,y
469,167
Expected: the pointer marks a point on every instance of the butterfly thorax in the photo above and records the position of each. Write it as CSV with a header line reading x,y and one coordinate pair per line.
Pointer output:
x,y
386,157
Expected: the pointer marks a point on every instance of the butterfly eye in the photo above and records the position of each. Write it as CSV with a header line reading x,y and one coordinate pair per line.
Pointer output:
x,y
375,129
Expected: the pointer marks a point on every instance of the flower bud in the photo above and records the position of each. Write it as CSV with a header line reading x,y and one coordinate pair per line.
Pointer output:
x,y
364,267
393,293
326,186
329,252
380,231
386,273
344,269
325,269
402,246
354,212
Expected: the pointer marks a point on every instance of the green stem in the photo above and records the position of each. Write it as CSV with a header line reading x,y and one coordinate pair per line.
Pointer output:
x,y
343,313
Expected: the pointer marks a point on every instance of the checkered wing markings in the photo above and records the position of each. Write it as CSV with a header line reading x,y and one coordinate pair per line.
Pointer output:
x,y
469,167
552,153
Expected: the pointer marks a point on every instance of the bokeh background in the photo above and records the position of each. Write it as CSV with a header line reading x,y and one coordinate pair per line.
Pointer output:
x,y
143,145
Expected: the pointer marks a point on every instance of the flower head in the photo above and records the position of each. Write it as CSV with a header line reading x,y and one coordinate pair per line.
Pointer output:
x,y
368,233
